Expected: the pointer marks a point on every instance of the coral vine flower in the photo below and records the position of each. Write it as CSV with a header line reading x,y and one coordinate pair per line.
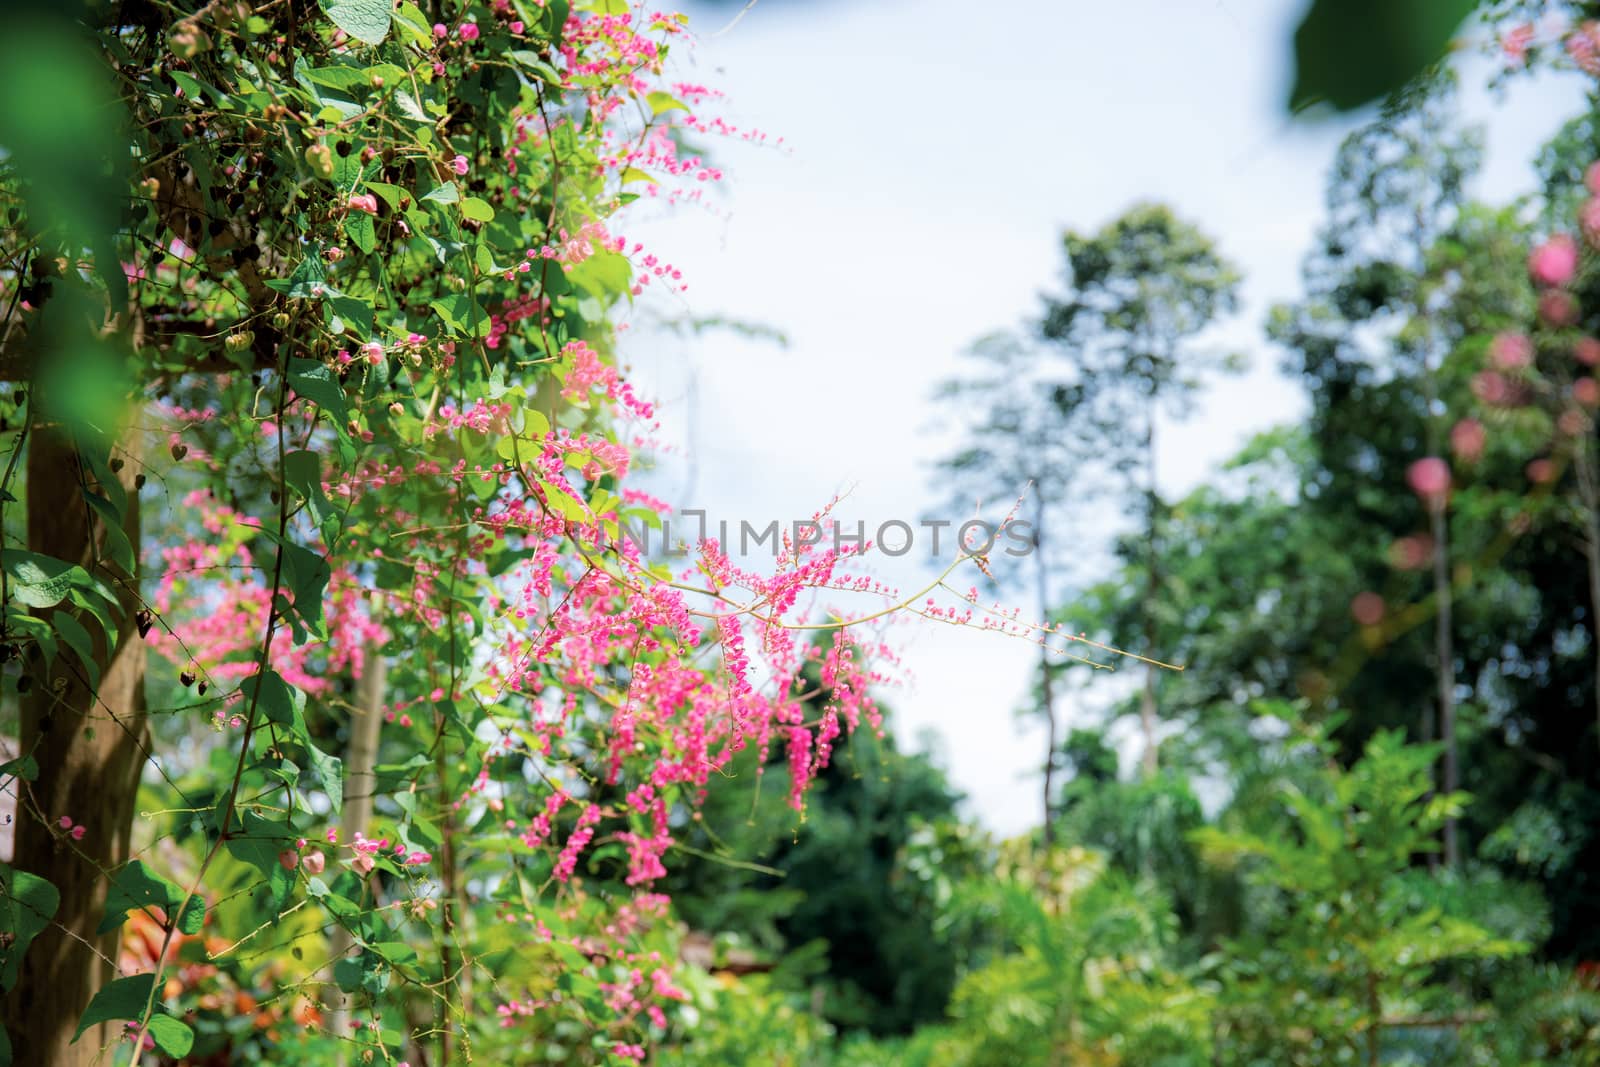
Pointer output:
x,y
1429,478
1554,262
1511,351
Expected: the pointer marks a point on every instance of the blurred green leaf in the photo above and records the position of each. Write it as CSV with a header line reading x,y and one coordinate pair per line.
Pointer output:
x,y
1349,53
26,907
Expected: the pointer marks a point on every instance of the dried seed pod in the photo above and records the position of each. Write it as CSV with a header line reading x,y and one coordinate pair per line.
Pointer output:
x,y
187,678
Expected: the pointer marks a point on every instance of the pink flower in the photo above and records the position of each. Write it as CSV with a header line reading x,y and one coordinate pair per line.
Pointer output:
x,y
288,859
1586,391
440,30
1557,308
459,164
1493,389
361,863
78,832
1587,351
467,31
1467,439
1591,180
1515,43
1411,553
363,202
1429,478
1511,351
1367,608
1554,262
315,862
517,27
1589,218
65,822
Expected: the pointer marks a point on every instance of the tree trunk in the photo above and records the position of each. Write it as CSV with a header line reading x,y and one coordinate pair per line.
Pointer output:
x,y
1147,700
1444,653
1047,704
359,785
90,749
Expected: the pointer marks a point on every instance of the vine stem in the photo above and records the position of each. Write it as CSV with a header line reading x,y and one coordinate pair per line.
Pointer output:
x,y
231,805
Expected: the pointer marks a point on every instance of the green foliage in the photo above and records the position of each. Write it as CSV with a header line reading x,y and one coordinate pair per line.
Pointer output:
x,y
855,891
1396,39
28,904
1082,974
1339,878
135,887
747,1021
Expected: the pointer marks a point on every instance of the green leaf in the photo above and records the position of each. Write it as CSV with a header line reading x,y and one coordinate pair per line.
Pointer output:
x,y
414,24
461,315
361,230
391,194
26,907
365,20
258,844
317,383
1351,52
474,208
309,278
77,638
409,107
663,102
443,194
125,998
531,61
171,1036
273,697
355,312
40,581
36,629
308,581
329,772
302,472
116,537
336,902
602,275
66,150
24,767
347,972
136,887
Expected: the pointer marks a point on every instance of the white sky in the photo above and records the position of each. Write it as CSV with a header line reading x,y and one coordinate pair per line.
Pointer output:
x,y
933,151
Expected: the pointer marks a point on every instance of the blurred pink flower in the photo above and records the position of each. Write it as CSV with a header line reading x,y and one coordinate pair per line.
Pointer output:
x,y
1554,262
1510,351
1429,478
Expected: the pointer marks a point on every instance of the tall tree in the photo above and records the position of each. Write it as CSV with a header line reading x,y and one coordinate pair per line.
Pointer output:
x,y
1136,295
1021,432
1397,187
